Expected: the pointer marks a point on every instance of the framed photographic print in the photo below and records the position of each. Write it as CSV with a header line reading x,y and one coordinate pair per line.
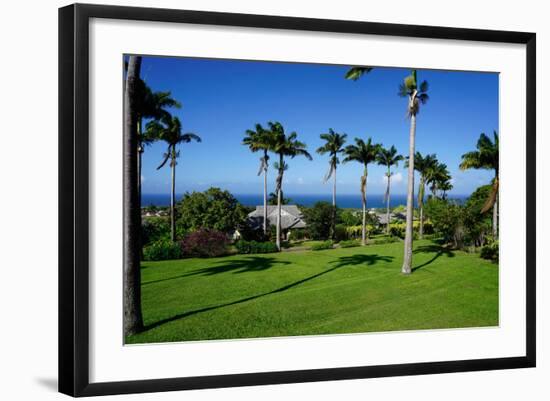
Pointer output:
x,y
250,199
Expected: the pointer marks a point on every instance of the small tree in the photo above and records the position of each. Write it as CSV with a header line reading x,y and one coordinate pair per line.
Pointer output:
x,y
319,220
214,209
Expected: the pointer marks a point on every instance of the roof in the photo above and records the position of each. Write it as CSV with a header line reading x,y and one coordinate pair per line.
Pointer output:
x,y
291,216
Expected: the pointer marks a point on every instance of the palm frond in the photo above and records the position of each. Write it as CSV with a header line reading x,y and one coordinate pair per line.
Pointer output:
x,y
355,73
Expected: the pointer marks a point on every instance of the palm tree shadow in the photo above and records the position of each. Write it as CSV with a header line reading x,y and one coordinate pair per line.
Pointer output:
x,y
340,262
249,264
438,250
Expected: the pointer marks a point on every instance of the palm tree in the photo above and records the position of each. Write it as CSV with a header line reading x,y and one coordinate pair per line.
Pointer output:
x,y
261,139
444,187
170,132
284,145
333,146
416,95
150,105
364,153
133,320
425,167
486,157
388,158
439,177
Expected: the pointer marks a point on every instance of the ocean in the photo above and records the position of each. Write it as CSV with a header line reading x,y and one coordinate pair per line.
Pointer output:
x,y
343,201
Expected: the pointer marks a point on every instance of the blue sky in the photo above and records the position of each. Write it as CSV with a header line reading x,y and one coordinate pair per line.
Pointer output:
x,y
223,98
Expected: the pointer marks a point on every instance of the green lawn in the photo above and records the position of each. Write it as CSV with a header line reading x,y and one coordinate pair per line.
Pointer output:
x,y
347,290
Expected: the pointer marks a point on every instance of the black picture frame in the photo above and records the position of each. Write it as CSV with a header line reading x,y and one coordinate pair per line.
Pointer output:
x,y
74,195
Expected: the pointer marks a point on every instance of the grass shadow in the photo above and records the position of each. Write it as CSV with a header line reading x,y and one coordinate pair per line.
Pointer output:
x,y
340,262
438,250
245,265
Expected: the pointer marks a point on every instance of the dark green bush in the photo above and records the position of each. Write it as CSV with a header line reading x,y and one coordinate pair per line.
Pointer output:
x,y
205,243
298,234
249,247
490,251
322,245
154,229
349,243
340,233
163,249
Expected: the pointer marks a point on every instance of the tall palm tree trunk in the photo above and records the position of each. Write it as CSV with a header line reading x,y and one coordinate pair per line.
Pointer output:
x,y
407,257
333,225
133,321
265,200
421,190
279,200
279,219
388,204
495,218
364,202
173,200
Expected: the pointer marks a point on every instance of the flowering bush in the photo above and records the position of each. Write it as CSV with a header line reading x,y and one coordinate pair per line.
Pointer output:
x,y
205,243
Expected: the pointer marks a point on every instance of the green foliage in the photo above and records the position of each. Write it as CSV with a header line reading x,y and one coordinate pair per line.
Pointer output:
x,y
205,243
154,229
249,247
319,220
490,251
400,209
350,217
298,234
383,240
322,245
213,208
340,233
162,249
349,243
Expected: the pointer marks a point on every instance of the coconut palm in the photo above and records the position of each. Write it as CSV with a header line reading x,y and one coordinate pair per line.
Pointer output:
x,y
260,139
416,95
133,321
444,187
289,146
486,158
170,132
150,105
364,153
388,158
333,146
425,165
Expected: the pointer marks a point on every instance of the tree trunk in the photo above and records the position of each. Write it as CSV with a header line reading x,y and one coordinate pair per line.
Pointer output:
x,y
407,257
495,218
133,321
279,219
265,200
421,190
279,201
364,202
333,225
173,198
388,204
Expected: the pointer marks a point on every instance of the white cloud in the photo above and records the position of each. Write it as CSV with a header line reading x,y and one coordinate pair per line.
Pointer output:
x,y
397,178
142,178
300,181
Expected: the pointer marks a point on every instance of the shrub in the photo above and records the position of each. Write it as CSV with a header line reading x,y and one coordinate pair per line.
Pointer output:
x,y
349,243
154,229
248,247
319,220
322,245
340,233
490,251
205,243
163,249
298,234
383,240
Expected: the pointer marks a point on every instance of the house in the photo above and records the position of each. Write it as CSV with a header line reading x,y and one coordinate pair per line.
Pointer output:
x,y
291,218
